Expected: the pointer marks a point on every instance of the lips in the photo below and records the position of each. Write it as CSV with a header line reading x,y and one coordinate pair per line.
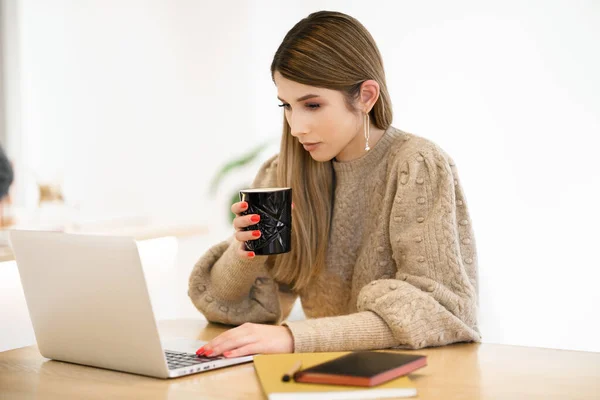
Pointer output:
x,y
310,146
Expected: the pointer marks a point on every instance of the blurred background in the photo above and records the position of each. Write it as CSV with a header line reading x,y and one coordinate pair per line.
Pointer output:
x,y
121,113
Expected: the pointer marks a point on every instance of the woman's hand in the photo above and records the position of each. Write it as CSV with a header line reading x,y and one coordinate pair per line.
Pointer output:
x,y
243,221
249,339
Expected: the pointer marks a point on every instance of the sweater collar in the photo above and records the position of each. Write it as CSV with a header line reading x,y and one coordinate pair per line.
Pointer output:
x,y
366,162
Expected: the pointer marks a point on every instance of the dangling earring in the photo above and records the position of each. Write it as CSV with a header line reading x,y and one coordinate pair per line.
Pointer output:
x,y
367,126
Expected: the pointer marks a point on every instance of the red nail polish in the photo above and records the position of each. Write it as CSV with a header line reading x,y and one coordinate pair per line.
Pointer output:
x,y
251,254
255,218
256,233
208,353
227,353
244,205
200,351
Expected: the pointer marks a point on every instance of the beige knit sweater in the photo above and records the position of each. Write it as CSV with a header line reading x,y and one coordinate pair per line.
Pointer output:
x,y
401,262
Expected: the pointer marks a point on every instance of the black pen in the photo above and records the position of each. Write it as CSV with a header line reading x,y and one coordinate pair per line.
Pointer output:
x,y
290,374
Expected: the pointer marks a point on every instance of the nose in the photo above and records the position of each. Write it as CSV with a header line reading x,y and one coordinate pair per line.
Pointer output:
x,y
298,125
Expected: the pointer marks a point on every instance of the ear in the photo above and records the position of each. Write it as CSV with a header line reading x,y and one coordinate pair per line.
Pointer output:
x,y
369,93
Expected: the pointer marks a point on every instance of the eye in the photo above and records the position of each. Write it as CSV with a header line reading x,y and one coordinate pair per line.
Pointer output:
x,y
311,106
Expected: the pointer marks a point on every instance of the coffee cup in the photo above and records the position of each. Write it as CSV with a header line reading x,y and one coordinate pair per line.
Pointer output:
x,y
274,205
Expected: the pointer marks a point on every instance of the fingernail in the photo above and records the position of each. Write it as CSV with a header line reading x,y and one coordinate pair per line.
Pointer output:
x,y
251,254
244,205
255,218
208,353
227,353
256,233
200,351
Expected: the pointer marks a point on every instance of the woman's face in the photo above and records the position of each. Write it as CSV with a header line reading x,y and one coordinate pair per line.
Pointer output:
x,y
322,123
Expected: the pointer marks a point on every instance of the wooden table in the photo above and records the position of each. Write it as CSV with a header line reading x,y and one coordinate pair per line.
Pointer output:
x,y
464,371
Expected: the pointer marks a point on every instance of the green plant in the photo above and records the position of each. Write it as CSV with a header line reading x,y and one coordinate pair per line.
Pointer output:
x,y
233,165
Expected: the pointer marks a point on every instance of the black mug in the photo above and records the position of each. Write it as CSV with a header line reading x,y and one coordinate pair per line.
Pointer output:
x,y
274,205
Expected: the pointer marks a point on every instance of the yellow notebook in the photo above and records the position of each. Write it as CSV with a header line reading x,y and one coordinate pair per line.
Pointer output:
x,y
271,367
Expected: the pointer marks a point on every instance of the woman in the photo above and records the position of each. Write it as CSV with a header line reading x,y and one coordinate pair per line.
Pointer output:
x,y
383,253
6,174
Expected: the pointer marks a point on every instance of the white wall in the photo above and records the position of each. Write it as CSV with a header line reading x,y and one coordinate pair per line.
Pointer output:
x,y
137,103
132,105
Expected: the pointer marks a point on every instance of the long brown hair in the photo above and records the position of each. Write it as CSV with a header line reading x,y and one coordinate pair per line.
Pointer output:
x,y
330,50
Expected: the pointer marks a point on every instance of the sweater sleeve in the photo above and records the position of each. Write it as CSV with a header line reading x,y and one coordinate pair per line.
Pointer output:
x,y
432,300
231,290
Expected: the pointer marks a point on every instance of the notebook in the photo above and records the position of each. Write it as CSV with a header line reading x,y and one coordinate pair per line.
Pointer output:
x,y
362,368
271,367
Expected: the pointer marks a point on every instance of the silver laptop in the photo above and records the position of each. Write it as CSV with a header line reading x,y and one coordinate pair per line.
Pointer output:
x,y
89,304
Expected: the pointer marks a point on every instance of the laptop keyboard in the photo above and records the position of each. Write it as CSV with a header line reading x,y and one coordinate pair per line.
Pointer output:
x,y
180,360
